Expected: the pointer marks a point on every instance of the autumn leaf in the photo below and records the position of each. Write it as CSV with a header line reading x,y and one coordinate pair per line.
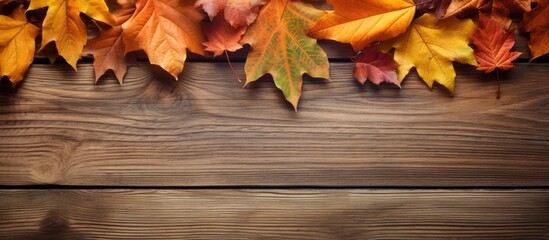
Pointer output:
x,y
16,45
280,47
439,6
493,46
431,46
362,22
499,10
222,36
108,48
376,66
165,29
537,23
238,13
4,3
64,26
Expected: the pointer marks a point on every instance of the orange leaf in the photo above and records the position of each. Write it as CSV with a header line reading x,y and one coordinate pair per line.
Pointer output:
x,y
108,49
165,29
537,23
64,26
498,10
493,46
16,45
222,36
362,22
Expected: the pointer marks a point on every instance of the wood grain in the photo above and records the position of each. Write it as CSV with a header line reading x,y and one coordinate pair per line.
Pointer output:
x,y
273,214
60,128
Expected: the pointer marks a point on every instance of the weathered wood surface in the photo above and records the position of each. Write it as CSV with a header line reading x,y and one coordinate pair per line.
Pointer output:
x,y
60,128
273,214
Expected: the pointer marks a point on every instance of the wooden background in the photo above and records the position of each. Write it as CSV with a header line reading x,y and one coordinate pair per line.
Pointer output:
x,y
203,158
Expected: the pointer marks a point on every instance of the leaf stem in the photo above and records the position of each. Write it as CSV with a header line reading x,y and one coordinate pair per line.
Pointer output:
x,y
231,66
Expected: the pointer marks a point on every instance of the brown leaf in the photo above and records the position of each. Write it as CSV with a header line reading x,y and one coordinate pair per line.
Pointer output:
x,y
499,10
440,6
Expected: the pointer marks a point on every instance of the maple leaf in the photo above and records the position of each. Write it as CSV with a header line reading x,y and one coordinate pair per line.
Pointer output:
x,y
165,29
16,45
238,13
280,46
64,26
537,23
108,48
362,22
439,6
499,10
493,46
222,36
376,66
431,46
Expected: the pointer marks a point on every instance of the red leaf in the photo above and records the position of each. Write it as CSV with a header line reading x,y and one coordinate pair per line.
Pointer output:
x,y
493,46
378,67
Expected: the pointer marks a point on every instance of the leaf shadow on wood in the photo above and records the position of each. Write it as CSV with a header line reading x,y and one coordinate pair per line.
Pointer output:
x,y
54,226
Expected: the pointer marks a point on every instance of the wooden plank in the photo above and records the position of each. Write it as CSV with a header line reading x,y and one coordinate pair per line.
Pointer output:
x,y
273,214
60,128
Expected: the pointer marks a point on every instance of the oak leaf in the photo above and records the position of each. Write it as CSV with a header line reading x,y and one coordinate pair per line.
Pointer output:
x,y
362,22
17,43
108,48
431,46
165,29
280,47
493,46
64,26
537,23
376,66
499,10
238,13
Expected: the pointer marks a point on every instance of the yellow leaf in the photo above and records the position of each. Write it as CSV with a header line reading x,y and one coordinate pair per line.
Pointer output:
x,y
64,26
16,45
361,22
431,46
